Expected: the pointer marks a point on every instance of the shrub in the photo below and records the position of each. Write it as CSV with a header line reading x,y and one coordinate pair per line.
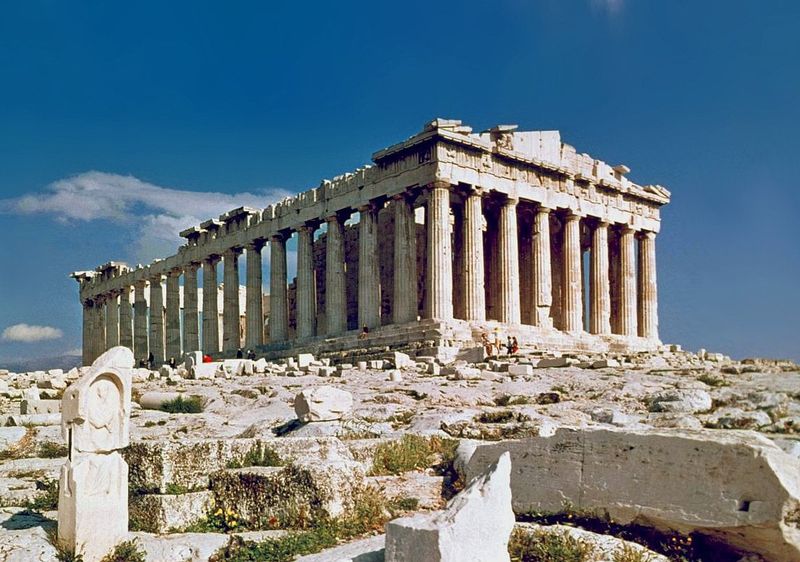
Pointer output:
x,y
544,546
52,450
181,405
412,452
127,551
48,499
629,554
257,457
63,552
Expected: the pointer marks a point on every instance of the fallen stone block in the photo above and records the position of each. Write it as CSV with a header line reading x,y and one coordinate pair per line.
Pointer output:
x,y
684,401
10,436
261,493
605,364
516,369
324,403
475,526
555,362
40,407
304,360
206,370
33,419
443,354
155,513
735,487
364,550
400,360
154,400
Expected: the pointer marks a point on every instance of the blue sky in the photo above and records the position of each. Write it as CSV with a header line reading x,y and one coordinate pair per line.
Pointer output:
x,y
109,111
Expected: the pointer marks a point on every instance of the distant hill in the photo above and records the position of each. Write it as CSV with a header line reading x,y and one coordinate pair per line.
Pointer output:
x,y
65,362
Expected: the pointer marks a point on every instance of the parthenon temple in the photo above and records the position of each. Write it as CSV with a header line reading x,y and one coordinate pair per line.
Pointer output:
x,y
446,236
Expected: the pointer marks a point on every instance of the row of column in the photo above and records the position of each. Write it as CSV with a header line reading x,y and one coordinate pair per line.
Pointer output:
x,y
157,330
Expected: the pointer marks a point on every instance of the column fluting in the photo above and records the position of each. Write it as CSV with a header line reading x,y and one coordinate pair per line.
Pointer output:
x,y
230,301
542,274
210,306
404,306
254,332
439,251
627,293
157,319
508,246
306,283
648,286
369,288
191,328
278,298
125,319
599,284
140,322
475,293
173,316
335,279
572,279
112,320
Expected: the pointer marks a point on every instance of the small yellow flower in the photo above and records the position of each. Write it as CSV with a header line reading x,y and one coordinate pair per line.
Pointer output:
x,y
218,512
233,523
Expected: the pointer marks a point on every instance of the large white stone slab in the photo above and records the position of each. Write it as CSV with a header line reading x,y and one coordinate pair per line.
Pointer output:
x,y
324,403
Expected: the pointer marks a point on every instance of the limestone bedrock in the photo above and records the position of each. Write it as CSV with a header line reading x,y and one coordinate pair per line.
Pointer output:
x,y
474,527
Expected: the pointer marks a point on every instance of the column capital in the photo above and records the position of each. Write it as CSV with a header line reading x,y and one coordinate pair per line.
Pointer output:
x,y
368,207
309,227
192,266
573,215
474,190
544,209
280,236
649,234
231,252
626,228
439,185
255,245
602,223
175,272
510,201
155,278
140,284
213,259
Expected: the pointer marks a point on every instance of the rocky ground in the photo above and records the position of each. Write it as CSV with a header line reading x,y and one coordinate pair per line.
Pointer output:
x,y
243,464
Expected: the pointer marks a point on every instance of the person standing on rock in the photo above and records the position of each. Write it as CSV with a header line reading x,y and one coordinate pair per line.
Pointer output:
x,y
487,345
498,342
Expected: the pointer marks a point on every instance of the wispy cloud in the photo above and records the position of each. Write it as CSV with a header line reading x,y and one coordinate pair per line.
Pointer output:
x,y
28,334
156,213
609,6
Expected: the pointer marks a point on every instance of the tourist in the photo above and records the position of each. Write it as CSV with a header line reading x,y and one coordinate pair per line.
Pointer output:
x,y
487,345
208,359
364,333
509,346
239,353
151,360
498,342
172,363
514,345
251,355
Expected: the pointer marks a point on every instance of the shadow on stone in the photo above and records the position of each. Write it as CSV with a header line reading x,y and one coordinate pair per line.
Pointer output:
x,y
27,519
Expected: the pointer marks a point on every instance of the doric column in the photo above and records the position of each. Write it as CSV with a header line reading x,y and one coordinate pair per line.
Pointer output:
x,y
335,280
508,246
369,288
230,301
404,307
126,319
627,293
191,328
173,330
112,320
439,251
210,306
157,319
140,343
542,275
599,286
278,298
648,287
306,284
572,281
474,291
87,331
99,330
254,332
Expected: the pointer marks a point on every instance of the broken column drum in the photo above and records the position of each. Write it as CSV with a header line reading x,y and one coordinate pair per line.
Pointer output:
x,y
449,233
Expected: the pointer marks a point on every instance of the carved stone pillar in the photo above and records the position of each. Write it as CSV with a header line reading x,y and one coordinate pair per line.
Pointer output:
x,y
542,276
627,293
648,287
369,288
126,319
112,320
599,285
439,274
230,301
572,280
404,307
254,333
99,326
191,328
173,317
279,302
508,262
306,283
474,276
335,279
140,339
210,306
157,319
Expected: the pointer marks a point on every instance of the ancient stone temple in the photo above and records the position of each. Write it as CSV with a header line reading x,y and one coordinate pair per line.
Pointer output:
x,y
448,235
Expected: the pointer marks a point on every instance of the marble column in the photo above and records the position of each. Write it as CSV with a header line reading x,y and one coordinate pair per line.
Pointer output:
x,y
508,263
369,288
278,299
474,291
112,320
439,274
100,327
599,284
627,293
173,316
542,276
254,330
648,287
230,301
335,278
306,283
157,319
210,306
404,306
140,339
572,281
87,330
126,319
191,328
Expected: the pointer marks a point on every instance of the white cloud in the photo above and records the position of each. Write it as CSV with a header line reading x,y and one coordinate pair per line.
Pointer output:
x,y
28,334
156,213
610,6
